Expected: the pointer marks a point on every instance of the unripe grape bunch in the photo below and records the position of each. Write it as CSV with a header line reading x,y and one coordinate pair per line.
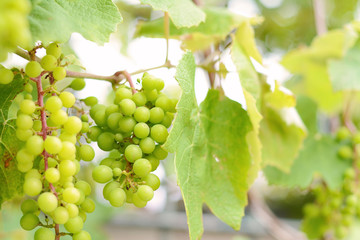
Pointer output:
x,y
136,125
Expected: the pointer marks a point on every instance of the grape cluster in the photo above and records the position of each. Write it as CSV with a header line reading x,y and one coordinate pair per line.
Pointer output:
x,y
51,153
335,210
135,126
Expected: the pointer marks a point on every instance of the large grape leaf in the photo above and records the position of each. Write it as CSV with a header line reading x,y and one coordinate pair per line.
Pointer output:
x,y
218,24
55,20
344,73
11,180
183,13
212,156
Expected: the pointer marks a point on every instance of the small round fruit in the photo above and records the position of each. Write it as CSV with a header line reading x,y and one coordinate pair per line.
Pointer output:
x,y
47,202
142,167
74,225
117,197
145,192
44,234
33,69
102,174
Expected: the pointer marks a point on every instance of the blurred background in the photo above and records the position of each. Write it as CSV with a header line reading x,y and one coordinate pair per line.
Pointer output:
x,y
286,25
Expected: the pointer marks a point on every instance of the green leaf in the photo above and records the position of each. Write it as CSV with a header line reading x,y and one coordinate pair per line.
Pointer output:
x,y
10,178
319,156
55,20
344,73
212,157
218,24
279,99
183,13
307,110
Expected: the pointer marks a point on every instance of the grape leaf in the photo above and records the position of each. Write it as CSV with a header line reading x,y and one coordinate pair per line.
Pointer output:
x,y
55,20
344,73
279,99
212,156
218,24
183,13
10,178
319,156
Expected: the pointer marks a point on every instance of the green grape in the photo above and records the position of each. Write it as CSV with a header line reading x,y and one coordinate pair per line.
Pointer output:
x,y
72,209
151,95
59,117
164,103
28,96
24,122
6,76
341,232
127,107
153,161
152,180
52,175
91,101
129,195
35,145
156,115
24,167
68,151
356,138
82,214
126,124
67,99
139,99
33,173
159,84
37,125
86,153
109,187
54,50
113,120
113,108
142,167
60,215
48,62
29,221
78,166
174,101
88,205
32,186
345,152
132,153
59,73
67,168
118,164
78,84
106,141
141,130
350,173
122,93
148,81
159,133
44,234
147,145
167,120
29,206
74,225
102,174
94,133
343,133
33,69
71,195
73,125
145,193
24,156
117,172
52,145
119,137
67,137
117,197
351,200
107,161
82,235
84,187
137,201
100,118
142,114
160,153
47,202
84,118
53,104
27,106
23,135
347,220
97,107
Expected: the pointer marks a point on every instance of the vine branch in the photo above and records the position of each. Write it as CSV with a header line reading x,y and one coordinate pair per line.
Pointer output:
x,y
320,16
166,31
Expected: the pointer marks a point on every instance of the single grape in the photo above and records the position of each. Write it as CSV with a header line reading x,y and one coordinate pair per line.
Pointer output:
x,y
341,232
27,106
53,144
82,214
139,99
24,167
151,95
117,197
343,133
156,115
86,153
29,221
52,175
106,141
67,168
109,187
164,103
122,93
94,133
141,130
59,117
345,152
88,205
32,186
29,206
112,108
59,73
23,135
35,145
84,187
113,120
67,151
44,234
160,153
142,167
94,109
24,122
127,107
100,118
72,209
33,173
47,202
48,62
145,192
117,172
137,201
64,136
152,180
6,76
153,161
167,120
84,118
60,215
82,235
133,152
71,195
147,145
148,81
74,225
107,161
67,99
33,69
90,101
102,174
28,96
119,137
73,125
54,49
159,84
142,114
53,104
159,133
78,84
356,138
126,124
23,156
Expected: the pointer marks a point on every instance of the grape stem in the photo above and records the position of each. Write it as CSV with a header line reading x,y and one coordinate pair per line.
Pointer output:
x,y
41,93
166,31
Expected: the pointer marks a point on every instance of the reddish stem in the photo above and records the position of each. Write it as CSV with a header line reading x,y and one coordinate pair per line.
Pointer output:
x,y
128,79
